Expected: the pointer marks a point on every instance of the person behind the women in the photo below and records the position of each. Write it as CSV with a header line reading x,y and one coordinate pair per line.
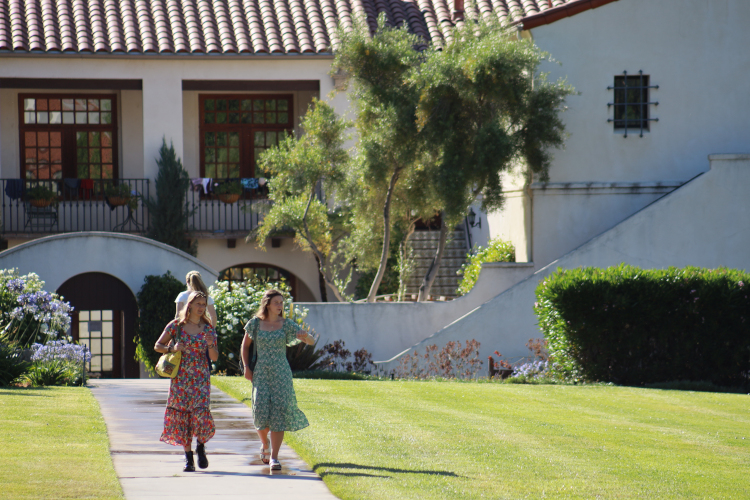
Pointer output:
x,y
274,402
195,284
187,413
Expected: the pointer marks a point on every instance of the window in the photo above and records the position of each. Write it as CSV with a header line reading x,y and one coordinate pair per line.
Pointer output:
x,y
631,105
264,272
68,136
96,330
235,129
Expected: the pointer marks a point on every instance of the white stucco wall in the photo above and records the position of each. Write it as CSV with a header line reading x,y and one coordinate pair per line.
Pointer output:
x,y
705,223
214,253
695,51
158,110
385,329
129,258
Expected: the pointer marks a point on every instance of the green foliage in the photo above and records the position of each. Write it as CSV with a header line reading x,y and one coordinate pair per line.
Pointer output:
x,y
235,307
41,192
169,213
12,364
304,357
497,250
483,108
230,187
50,373
156,308
300,167
388,285
643,326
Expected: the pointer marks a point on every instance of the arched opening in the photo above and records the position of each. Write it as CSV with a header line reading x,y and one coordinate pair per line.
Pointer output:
x,y
104,320
243,272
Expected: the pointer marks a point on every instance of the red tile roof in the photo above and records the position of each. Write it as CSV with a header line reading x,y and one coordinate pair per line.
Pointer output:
x,y
225,26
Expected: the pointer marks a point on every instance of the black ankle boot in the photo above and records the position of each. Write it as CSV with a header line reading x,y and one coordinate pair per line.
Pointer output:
x,y
189,463
202,459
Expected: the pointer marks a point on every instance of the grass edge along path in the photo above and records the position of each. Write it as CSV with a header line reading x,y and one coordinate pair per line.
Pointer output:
x,y
54,446
448,440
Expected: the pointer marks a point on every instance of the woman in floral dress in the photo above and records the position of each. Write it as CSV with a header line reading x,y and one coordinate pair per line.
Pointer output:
x,y
274,402
188,413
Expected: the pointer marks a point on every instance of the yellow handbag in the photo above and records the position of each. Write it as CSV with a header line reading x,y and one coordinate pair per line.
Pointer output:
x,y
169,363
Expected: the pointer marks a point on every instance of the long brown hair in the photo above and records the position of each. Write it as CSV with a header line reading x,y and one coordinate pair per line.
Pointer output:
x,y
195,283
185,313
267,297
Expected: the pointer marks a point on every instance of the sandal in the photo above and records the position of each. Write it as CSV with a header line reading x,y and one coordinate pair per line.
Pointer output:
x,y
275,464
265,454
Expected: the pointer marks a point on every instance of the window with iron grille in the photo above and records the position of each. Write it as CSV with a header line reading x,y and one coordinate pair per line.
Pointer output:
x,y
68,136
631,103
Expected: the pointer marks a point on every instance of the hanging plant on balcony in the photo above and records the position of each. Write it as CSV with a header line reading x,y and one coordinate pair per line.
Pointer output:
x,y
229,192
120,195
41,196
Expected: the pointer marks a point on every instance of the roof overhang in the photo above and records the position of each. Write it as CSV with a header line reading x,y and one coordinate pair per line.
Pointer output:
x,y
561,12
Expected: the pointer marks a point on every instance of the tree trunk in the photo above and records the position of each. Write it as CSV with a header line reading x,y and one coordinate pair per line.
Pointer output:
x,y
321,282
318,254
429,278
386,238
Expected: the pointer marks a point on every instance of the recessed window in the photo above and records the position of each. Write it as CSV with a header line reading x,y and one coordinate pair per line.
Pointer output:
x,y
264,272
235,129
631,105
68,136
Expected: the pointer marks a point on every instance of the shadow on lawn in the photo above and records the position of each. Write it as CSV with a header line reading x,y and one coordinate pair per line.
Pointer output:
x,y
25,391
368,467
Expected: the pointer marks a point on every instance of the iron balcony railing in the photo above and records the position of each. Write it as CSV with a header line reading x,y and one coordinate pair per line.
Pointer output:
x,y
225,215
118,206
70,205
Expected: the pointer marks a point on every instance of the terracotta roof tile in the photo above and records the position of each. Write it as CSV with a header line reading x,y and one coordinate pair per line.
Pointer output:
x,y
237,26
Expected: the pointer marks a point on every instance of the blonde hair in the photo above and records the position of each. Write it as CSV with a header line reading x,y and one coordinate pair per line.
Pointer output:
x,y
267,297
195,283
185,313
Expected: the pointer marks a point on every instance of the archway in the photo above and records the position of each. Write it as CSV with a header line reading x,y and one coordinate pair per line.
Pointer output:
x,y
243,272
104,319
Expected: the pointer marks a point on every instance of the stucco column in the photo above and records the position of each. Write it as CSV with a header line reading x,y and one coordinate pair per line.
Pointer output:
x,y
162,117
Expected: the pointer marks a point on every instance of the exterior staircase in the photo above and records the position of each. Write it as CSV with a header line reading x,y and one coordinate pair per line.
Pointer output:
x,y
424,244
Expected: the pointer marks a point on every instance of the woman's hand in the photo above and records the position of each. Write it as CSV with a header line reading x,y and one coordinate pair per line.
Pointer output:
x,y
305,337
179,346
248,374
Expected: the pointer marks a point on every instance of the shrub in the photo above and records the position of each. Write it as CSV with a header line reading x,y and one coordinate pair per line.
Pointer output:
x,y
12,364
156,308
452,361
632,326
336,359
56,363
28,314
235,307
168,212
497,250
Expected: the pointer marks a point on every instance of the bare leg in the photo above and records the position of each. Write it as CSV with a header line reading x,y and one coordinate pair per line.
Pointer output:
x,y
276,439
188,446
263,435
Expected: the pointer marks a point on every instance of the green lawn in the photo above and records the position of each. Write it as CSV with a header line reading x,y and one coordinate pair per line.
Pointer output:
x,y
54,445
434,440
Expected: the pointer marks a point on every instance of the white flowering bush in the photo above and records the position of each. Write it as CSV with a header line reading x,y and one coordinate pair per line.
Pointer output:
x,y
28,314
235,307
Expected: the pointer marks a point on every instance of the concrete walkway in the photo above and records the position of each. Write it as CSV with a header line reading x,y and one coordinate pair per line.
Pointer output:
x,y
149,469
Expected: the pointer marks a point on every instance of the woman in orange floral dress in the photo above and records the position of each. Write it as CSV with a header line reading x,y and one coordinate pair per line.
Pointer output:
x,y
188,413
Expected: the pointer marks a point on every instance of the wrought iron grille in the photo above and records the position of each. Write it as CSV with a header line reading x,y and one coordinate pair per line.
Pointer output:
x,y
631,103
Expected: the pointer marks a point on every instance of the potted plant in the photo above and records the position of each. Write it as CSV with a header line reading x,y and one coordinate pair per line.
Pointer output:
x,y
121,194
41,196
229,192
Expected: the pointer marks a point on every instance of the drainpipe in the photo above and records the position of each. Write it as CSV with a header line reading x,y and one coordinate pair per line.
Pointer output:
x,y
458,10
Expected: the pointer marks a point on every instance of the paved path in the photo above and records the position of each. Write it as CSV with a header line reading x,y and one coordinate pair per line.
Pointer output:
x,y
149,469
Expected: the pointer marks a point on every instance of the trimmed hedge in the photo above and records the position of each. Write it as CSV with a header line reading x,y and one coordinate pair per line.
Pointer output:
x,y
642,326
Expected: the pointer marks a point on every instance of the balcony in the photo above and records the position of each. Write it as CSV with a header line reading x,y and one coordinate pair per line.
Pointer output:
x,y
117,206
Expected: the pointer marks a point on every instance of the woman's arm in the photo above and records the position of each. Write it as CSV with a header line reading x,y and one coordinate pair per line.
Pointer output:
x,y
162,344
213,349
245,354
305,337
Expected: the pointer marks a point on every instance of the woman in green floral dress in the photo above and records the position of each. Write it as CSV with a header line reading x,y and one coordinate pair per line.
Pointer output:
x,y
274,402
